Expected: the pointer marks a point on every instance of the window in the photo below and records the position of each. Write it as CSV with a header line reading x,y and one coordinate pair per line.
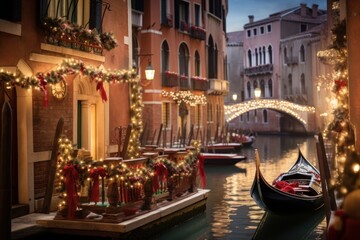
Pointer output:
x,y
11,10
215,7
268,28
270,86
166,17
256,57
184,16
265,116
270,55
198,115
290,84
248,33
264,55
165,56
255,31
303,87
285,55
183,60
209,113
197,15
165,117
302,53
249,58
212,58
248,88
262,30
262,87
248,117
197,64
303,27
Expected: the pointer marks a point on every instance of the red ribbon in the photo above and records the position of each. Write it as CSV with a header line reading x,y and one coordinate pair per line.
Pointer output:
x,y
202,170
160,173
43,88
71,176
100,87
95,173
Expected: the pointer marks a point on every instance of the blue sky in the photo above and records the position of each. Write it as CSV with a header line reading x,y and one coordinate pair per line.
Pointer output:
x,y
239,10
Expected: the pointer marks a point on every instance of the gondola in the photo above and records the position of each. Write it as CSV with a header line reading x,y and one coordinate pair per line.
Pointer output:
x,y
296,190
221,158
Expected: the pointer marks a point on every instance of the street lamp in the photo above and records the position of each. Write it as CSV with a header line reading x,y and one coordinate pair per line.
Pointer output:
x,y
234,97
257,92
149,72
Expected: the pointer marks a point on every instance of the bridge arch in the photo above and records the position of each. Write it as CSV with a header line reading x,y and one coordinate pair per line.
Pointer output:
x,y
299,112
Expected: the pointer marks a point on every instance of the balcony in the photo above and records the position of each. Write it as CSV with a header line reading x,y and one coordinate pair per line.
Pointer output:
x,y
199,83
167,21
137,18
170,79
259,70
198,32
291,61
218,87
184,82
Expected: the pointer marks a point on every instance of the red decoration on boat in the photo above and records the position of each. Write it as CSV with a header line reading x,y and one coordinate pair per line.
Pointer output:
x,y
95,174
202,170
160,174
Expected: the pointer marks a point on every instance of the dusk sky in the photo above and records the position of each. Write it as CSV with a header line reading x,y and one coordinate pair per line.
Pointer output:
x,y
239,10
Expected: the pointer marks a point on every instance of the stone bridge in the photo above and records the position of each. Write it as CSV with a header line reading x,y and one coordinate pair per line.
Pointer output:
x,y
300,112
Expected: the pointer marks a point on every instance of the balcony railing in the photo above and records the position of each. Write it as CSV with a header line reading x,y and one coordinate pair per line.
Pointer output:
x,y
198,32
184,82
184,26
291,60
259,70
218,87
170,79
199,84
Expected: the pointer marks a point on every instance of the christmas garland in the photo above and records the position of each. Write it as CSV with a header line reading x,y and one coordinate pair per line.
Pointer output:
x,y
185,96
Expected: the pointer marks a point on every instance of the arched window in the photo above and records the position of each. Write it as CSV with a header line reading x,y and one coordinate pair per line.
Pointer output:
x,y
255,85
165,56
265,116
248,88
303,87
270,86
197,64
249,58
212,59
302,53
270,54
256,57
264,55
262,87
260,55
285,55
290,84
183,60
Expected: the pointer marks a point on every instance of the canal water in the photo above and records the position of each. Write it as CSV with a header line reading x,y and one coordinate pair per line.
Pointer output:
x,y
231,213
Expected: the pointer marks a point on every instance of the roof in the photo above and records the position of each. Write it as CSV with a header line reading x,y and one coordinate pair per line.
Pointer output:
x,y
291,14
235,37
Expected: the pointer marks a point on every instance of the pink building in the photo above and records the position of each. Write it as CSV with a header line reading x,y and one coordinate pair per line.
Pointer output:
x,y
263,60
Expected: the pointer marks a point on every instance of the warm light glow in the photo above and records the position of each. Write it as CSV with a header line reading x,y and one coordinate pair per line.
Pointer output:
x,y
149,72
257,92
234,96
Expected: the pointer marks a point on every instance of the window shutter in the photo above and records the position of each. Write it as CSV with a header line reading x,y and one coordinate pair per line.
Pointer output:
x,y
11,10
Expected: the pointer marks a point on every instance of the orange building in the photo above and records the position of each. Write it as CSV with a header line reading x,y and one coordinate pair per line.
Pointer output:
x,y
35,52
185,42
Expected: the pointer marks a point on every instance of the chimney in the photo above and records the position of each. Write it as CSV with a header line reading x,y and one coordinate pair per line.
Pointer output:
x,y
251,18
303,9
314,10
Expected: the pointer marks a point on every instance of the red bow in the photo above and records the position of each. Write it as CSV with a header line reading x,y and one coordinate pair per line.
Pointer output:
x,y
160,174
71,176
95,173
100,87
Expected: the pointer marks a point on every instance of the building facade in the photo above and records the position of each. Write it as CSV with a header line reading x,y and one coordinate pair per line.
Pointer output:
x,y
47,75
264,49
185,42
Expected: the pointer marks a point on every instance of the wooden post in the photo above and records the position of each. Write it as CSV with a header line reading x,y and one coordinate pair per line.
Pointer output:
x,y
191,134
153,137
119,129
159,135
53,165
126,142
171,137
5,171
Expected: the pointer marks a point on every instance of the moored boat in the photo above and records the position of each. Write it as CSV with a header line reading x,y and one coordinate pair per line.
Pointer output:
x,y
296,190
221,158
223,148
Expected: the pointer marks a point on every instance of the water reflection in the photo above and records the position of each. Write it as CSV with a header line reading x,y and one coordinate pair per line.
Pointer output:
x,y
231,213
